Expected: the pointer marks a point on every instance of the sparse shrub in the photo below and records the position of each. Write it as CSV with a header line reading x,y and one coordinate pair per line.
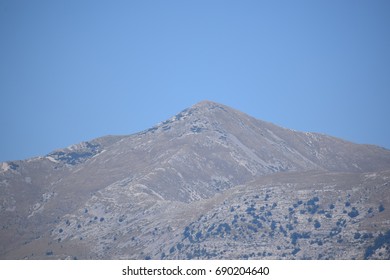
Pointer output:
x,y
282,230
179,246
295,236
334,231
295,251
381,208
311,205
250,210
367,236
252,228
354,213
341,222
313,200
317,224
356,235
186,232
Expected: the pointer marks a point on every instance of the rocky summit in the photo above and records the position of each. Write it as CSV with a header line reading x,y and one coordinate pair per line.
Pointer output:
x,y
209,183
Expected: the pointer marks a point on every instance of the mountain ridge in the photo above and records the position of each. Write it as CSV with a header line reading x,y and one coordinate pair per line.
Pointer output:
x,y
98,194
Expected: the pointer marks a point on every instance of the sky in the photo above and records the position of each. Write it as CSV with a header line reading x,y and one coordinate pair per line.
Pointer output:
x,y
75,70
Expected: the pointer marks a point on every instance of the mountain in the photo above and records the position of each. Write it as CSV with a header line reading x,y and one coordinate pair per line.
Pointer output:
x,y
209,183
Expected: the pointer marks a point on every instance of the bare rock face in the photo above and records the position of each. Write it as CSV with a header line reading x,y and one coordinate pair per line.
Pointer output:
x,y
209,183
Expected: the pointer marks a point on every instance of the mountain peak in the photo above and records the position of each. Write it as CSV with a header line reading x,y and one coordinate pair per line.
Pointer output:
x,y
211,110
203,111
207,103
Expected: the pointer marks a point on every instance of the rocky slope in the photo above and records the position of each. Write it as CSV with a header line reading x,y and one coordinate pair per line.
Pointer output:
x,y
211,182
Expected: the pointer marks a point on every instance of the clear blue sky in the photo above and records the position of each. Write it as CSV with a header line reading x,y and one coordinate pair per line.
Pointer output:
x,y
72,71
